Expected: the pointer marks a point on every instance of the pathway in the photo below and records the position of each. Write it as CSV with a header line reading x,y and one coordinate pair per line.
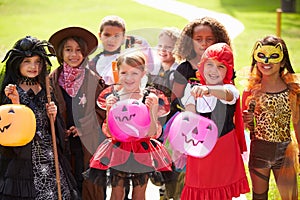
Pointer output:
x,y
190,12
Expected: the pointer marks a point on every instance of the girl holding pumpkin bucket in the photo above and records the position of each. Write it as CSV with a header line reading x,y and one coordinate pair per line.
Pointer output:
x,y
130,153
27,171
221,173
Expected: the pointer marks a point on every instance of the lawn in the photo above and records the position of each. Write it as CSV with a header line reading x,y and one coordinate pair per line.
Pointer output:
x,y
19,18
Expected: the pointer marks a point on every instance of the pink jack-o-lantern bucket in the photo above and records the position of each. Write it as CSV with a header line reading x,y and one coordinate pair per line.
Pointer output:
x,y
129,120
192,134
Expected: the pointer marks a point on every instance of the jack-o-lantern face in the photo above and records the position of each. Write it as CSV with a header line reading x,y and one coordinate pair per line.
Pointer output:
x,y
17,125
129,120
193,134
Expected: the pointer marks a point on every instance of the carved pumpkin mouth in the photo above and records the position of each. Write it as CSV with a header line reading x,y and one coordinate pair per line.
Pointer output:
x,y
5,127
125,118
191,140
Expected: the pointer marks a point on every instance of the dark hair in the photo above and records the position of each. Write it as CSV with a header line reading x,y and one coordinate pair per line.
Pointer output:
x,y
184,46
81,42
273,40
25,47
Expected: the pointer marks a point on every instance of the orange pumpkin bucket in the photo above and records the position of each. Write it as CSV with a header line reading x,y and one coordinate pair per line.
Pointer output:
x,y
17,125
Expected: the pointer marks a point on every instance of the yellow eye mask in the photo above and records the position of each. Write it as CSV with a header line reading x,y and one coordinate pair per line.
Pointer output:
x,y
268,53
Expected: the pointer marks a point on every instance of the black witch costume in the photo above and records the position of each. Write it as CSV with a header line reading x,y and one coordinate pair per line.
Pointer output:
x,y
28,172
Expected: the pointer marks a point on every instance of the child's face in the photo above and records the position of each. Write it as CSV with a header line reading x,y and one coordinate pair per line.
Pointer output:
x,y
72,54
203,37
165,47
214,72
111,37
31,66
130,77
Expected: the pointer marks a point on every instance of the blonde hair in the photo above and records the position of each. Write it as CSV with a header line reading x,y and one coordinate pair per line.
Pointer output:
x,y
171,32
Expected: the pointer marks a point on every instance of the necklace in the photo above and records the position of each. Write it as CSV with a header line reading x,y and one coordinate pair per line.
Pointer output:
x,y
28,81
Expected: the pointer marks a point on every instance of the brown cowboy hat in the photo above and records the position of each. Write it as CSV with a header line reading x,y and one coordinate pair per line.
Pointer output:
x,y
90,38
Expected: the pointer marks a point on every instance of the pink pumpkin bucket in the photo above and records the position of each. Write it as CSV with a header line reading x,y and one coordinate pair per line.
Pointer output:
x,y
192,134
129,120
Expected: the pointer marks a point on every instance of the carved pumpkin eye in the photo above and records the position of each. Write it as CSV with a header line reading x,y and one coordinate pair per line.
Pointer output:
x,y
209,127
11,111
124,109
195,130
136,103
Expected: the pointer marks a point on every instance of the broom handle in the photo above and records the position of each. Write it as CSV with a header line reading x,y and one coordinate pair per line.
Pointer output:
x,y
53,140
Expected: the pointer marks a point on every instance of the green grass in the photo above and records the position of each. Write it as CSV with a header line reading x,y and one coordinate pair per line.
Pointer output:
x,y
41,19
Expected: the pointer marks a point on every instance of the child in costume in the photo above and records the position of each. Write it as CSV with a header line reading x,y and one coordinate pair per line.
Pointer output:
x,y
136,157
162,78
221,174
29,172
77,88
112,34
195,37
272,97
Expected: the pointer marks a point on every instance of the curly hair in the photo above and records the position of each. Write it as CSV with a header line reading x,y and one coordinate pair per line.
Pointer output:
x,y
184,46
171,32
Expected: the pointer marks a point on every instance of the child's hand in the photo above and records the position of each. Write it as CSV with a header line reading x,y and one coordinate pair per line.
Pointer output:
x,y
12,93
73,131
247,116
151,100
199,91
51,109
110,100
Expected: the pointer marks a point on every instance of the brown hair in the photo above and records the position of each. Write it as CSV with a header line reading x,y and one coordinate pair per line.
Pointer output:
x,y
134,59
113,20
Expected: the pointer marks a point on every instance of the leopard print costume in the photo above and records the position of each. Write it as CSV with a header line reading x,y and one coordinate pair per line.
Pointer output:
x,y
273,116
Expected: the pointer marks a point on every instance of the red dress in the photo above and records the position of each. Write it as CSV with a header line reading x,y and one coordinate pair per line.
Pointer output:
x,y
221,174
144,155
